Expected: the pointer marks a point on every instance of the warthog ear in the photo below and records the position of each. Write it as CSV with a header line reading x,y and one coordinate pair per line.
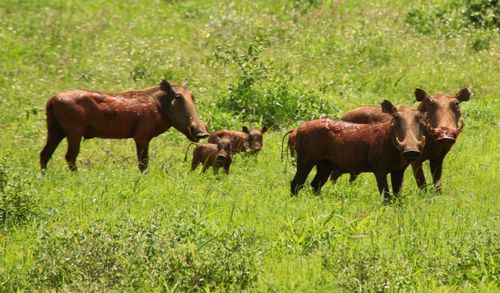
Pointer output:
x,y
166,87
245,129
463,95
185,84
388,107
264,129
421,95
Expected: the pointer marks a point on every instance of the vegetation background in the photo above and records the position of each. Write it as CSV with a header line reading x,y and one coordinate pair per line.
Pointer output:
x,y
249,63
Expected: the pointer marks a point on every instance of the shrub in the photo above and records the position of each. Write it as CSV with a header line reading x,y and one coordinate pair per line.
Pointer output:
x,y
452,17
186,255
263,94
18,201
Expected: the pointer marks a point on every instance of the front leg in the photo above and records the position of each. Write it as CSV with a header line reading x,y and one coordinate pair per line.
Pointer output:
x,y
227,164
436,170
418,173
397,182
142,147
383,187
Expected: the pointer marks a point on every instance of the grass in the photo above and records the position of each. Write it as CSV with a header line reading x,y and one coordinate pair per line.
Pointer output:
x,y
109,227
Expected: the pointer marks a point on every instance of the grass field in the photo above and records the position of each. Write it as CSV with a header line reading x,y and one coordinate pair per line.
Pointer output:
x,y
109,227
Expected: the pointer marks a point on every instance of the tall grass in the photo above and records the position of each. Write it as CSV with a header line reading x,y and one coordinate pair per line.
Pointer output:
x,y
108,227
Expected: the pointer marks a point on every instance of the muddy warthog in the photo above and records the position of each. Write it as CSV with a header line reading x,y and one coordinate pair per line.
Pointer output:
x,y
140,114
443,113
343,147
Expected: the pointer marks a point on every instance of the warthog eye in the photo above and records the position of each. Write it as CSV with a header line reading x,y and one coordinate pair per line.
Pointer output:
x,y
178,96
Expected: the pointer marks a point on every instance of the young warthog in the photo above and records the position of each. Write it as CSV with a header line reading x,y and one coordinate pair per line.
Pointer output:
x,y
242,141
214,155
343,147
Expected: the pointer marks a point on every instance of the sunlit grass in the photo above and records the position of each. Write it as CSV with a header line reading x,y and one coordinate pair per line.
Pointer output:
x,y
350,53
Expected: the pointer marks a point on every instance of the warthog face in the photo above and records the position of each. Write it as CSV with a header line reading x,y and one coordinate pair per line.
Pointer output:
x,y
408,130
180,110
224,148
443,113
255,141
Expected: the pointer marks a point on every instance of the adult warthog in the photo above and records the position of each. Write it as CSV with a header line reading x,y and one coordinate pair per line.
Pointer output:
x,y
343,147
443,113
140,114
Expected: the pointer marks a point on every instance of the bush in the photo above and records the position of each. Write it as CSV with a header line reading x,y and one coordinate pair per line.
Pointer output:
x,y
454,16
129,256
263,94
18,201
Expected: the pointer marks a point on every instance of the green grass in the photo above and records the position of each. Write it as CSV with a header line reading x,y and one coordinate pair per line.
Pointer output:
x,y
109,227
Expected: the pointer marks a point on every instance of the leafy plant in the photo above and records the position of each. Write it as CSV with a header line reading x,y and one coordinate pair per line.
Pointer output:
x,y
264,94
18,202
186,255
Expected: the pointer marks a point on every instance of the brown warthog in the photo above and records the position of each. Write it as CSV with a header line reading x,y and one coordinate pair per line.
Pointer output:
x,y
292,146
140,115
214,155
443,113
242,141
343,147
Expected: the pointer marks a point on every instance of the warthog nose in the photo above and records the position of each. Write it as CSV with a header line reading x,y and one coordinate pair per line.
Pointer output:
x,y
202,135
411,155
445,134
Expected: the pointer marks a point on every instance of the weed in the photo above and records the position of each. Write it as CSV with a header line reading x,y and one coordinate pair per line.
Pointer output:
x,y
185,254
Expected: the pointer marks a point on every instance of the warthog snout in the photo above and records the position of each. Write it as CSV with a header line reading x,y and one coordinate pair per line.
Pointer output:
x,y
411,155
445,134
202,135
198,133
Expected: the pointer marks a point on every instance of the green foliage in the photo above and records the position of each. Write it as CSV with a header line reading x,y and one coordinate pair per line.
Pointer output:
x,y
19,203
184,254
262,93
452,17
110,228
483,13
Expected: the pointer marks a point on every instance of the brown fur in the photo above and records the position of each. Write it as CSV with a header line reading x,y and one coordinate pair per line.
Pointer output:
x,y
443,113
214,155
292,146
242,141
343,147
140,115
365,114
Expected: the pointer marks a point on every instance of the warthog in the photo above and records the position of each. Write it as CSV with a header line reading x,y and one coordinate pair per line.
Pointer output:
x,y
443,113
214,155
140,114
242,141
343,147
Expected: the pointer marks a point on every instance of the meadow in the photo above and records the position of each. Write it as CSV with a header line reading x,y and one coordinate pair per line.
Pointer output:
x,y
108,227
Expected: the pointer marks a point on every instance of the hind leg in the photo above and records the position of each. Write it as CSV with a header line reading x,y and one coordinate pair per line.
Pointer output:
x,y
53,140
73,150
194,164
303,169
324,169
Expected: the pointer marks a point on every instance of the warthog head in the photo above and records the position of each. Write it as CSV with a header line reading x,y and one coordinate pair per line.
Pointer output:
x,y
408,130
179,108
443,113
